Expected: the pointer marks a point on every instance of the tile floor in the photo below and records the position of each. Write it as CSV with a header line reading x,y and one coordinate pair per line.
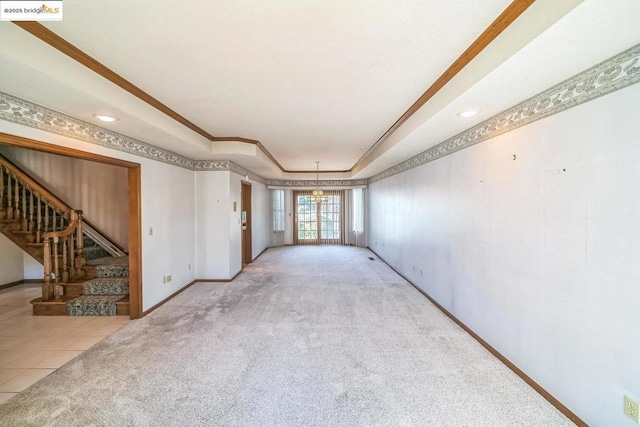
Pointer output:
x,y
31,347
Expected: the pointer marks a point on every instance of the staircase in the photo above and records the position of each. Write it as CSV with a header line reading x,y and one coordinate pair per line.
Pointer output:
x,y
85,272
107,294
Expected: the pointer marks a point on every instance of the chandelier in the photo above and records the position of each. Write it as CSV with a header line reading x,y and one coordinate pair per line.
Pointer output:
x,y
317,195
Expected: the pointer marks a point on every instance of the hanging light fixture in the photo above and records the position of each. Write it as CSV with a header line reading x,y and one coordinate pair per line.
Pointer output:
x,y
317,195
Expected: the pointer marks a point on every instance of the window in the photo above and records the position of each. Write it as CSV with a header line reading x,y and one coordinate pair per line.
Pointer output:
x,y
307,218
278,210
330,218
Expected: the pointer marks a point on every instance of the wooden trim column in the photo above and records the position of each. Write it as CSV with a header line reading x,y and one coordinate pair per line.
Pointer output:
x,y
245,206
135,242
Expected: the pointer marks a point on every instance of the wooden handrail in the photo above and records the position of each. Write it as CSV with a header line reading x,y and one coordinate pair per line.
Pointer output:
x,y
35,186
73,224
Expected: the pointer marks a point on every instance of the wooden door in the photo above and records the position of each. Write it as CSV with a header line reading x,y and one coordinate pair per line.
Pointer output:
x,y
246,223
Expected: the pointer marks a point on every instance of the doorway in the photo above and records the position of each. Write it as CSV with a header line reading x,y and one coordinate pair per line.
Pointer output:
x,y
134,207
318,223
246,223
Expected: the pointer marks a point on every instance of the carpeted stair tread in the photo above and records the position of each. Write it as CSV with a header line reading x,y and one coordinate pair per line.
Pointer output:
x,y
93,305
93,252
106,286
112,271
109,260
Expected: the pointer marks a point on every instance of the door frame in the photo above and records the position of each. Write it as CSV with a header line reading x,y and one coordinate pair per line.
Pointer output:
x,y
134,197
245,205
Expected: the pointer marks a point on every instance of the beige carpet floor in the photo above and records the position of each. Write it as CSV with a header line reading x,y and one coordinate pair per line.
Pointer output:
x,y
305,336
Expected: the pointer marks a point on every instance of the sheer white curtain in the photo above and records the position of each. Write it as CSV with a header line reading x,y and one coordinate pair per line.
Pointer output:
x,y
276,217
355,226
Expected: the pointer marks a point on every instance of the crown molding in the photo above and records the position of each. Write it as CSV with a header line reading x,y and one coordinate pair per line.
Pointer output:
x,y
609,76
501,23
52,39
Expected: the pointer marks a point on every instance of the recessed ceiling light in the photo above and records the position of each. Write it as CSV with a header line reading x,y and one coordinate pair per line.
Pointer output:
x,y
468,113
104,118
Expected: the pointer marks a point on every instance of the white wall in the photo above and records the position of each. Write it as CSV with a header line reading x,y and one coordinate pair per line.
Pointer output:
x,y
32,269
235,226
213,210
10,261
219,236
98,189
260,227
167,206
540,256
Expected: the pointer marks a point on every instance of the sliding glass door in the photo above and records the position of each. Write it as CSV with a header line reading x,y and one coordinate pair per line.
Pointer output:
x,y
318,223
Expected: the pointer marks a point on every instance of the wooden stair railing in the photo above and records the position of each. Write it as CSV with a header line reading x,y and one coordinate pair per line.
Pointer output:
x,y
39,199
48,221
44,199
66,237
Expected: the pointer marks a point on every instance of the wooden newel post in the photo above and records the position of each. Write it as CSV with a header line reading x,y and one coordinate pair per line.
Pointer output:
x,y
80,259
46,286
52,288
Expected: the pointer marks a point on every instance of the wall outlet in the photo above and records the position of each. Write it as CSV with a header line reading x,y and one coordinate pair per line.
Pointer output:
x,y
189,267
164,279
632,409
169,278
150,231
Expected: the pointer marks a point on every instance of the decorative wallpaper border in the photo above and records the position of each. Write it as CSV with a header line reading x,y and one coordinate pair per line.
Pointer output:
x,y
225,165
324,184
609,76
22,112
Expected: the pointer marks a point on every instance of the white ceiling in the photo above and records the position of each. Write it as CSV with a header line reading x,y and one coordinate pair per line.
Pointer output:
x,y
593,32
306,78
310,80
